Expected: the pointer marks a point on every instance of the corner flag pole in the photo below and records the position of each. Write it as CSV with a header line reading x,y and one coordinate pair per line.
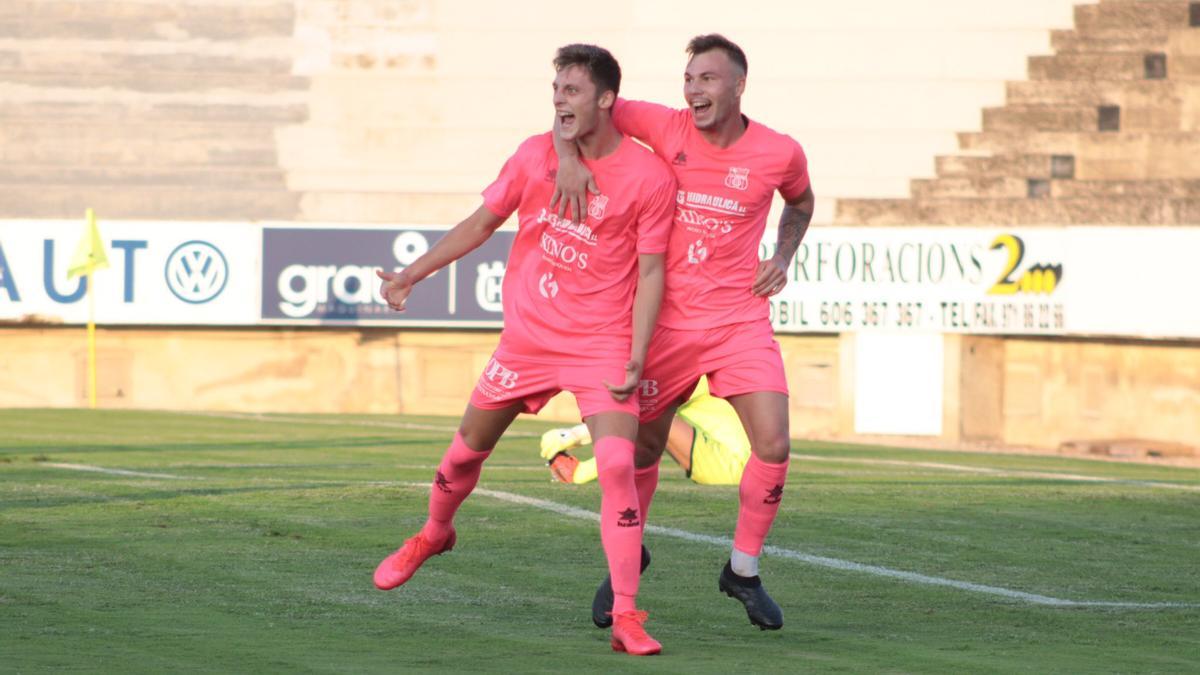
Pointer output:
x,y
91,326
89,256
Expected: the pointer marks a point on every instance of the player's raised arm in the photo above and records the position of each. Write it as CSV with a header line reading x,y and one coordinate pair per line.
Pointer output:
x,y
465,237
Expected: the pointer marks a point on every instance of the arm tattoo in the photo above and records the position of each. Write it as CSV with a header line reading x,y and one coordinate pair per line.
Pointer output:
x,y
793,223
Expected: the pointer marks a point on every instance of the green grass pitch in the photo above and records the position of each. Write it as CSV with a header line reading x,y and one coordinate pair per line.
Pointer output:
x,y
243,543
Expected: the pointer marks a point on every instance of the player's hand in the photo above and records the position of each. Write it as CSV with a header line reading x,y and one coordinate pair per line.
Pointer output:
x,y
395,288
770,278
633,375
572,184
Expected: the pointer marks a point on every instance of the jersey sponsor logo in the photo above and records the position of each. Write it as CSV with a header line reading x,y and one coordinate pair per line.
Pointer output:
x,y
738,178
498,374
561,254
731,207
698,222
697,252
547,286
569,227
596,207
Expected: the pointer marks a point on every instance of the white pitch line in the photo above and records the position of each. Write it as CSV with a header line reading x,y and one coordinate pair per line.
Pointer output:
x,y
1001,473
833,563
115,472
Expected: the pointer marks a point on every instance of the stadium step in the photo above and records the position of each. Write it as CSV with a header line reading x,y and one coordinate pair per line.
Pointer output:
x,y
1095,93
1109,40
1039,118
1017,187
1084,211
137,144
1157,189
1164,116
136,177
973,187
1065,143
998,166
175,63
151,111
1107,66
158,81
147,202
132,20
1132,15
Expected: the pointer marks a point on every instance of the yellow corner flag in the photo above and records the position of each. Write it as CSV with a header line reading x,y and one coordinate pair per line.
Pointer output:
x,y
89,254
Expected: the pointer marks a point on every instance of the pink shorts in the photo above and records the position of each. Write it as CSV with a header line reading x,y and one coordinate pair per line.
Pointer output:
x,y
511,378
738,358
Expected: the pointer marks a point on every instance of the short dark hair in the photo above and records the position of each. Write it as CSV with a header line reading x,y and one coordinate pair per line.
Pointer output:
x,y
599,62
707,43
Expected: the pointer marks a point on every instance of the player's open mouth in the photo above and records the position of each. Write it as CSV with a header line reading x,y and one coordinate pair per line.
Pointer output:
x,y
701,107
566,119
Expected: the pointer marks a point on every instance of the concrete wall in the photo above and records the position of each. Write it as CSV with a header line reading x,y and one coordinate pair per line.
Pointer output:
x,y
1030,392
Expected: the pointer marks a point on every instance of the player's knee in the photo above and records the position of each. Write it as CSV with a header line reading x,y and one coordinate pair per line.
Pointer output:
x,y
647,455
774,450
474,440
614,467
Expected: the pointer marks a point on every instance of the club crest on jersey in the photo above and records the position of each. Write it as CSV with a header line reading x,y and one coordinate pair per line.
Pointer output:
x,y
738,179
596,207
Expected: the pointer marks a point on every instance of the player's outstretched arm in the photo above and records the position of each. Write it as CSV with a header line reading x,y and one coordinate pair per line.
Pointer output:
x,y
646,302
793,224
459,241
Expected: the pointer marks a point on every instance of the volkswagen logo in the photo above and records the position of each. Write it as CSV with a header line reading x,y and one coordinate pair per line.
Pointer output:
x,y
196,272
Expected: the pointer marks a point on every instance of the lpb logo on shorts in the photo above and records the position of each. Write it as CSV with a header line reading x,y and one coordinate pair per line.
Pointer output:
x,y
502,376
647,395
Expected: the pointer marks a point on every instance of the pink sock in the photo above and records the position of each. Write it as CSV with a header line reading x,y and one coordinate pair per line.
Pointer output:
x,y
456,478
646,480
620,519
761,491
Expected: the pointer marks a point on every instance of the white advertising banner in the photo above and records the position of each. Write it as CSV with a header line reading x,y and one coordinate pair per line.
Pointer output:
x,y
1134,281
159,273
1104,281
